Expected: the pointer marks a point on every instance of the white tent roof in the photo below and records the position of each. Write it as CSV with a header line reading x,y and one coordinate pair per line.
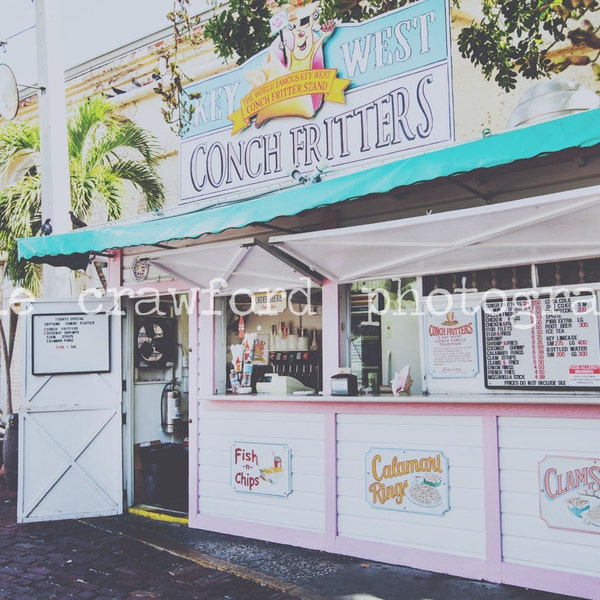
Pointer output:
x,y
243,264
560,226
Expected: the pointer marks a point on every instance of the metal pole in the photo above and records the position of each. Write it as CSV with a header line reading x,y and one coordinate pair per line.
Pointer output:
x,y
56,194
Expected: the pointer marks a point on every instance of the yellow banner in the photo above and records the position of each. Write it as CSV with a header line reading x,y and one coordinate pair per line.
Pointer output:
x,y
294,85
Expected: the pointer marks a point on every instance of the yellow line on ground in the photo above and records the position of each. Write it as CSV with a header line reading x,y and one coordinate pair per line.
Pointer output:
x,y
157,516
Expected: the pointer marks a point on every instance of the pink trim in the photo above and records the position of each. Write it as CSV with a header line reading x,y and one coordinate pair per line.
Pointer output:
x,y
491,487
201,383
390,408
570,584
331,491
206,345
261,531
330,336
115,265
438,562
193,407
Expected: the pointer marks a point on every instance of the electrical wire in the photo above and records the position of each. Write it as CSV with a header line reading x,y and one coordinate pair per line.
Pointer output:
x,y
4,42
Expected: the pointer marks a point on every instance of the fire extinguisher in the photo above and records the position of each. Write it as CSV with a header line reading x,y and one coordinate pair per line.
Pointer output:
x,y
170,407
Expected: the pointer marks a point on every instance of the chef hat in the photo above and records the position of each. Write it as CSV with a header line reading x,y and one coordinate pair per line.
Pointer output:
x,y
305,13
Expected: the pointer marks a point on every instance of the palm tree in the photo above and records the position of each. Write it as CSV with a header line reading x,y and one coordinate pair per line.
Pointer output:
x,y
106,150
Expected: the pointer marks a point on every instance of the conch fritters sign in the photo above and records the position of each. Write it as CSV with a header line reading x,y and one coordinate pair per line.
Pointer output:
x,y
322,95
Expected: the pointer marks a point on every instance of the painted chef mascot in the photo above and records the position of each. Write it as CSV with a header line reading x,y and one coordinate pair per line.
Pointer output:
x,y
298,48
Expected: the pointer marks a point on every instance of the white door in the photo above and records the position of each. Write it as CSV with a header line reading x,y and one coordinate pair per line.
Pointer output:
x,y
70,453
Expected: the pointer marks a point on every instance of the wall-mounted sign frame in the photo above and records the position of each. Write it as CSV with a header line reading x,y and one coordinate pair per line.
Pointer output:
x,y
570,492
551,342
259,468
452,344
66,343
370,91
407,480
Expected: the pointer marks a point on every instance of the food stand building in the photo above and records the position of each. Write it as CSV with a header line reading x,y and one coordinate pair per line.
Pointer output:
x,y
399,362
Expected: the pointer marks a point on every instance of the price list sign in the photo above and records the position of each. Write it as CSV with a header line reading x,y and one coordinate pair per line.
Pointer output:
x,y
544,343
70,343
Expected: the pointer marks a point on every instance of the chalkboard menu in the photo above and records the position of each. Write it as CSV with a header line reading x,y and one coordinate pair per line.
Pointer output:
x,y
544,343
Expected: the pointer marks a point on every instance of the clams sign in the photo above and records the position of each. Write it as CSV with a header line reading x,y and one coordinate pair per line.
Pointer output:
x,y
321,96
570,492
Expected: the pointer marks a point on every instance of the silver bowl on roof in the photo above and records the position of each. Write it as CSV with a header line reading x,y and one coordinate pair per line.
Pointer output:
x,y
551,100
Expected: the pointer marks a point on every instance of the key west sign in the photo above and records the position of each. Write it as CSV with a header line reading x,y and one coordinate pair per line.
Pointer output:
x,y
322,96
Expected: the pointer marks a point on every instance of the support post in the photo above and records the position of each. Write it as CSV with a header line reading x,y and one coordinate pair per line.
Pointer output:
x,y
56,188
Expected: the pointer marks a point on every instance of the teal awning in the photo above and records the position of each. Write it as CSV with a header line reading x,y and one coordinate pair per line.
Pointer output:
x,y
576,131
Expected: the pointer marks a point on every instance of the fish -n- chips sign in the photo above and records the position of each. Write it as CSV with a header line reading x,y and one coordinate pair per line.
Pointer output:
x,y
321,96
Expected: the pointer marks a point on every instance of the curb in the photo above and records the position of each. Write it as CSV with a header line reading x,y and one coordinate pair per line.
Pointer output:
x,y
149,513
206,560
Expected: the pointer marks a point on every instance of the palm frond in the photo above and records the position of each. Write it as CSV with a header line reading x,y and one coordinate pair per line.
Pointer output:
x,y
105,151
17,138
85,120
20,207
130,135
145,178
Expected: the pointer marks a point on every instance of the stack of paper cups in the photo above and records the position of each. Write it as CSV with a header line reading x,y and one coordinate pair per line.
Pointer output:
x,y
293,341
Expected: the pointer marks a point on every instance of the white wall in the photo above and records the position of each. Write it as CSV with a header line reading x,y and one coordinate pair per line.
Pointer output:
x,y
303,433
527,540
460,531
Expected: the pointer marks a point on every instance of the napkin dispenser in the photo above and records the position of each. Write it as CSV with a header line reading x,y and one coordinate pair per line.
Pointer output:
x,y
344,384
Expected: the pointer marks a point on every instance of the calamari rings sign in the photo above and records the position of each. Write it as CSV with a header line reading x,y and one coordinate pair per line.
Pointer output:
x,y
322,95
407,480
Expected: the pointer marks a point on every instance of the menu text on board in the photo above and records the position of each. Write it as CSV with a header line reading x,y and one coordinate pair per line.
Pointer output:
x,y
544,343
70,343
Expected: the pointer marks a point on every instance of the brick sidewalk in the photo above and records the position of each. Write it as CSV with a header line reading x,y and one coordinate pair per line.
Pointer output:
x,y
71,559
129,557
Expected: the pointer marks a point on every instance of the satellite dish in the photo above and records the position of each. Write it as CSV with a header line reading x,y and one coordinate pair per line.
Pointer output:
x,y
9,93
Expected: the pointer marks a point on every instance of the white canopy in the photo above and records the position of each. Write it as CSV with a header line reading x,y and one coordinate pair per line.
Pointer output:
x,y
243,264
561,226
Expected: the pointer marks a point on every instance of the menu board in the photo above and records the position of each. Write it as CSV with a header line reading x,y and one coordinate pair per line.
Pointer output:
x,y
70,343
545,343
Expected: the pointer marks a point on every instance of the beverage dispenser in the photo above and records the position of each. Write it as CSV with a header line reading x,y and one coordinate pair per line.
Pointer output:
x,y
303,365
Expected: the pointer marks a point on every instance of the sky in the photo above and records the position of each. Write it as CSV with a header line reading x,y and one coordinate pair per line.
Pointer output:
x,y
90,28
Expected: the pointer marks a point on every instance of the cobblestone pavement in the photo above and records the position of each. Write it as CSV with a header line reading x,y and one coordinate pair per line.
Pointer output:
x,y
130,557
71,559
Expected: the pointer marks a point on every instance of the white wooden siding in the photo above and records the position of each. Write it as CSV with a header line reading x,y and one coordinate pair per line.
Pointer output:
x,y
304,508
459,531
527,539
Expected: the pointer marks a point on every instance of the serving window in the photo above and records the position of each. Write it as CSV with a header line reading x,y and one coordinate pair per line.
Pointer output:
x,y
516,328
521,328
273,343
381,340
